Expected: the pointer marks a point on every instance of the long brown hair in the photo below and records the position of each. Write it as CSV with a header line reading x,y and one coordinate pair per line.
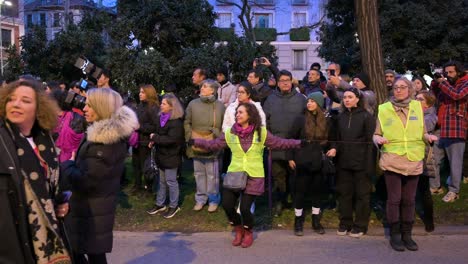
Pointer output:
x,y
47,109
254,117
315,125
151,95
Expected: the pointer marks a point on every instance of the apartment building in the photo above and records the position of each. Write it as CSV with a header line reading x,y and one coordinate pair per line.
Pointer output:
x,y
12,26
283,22
51,13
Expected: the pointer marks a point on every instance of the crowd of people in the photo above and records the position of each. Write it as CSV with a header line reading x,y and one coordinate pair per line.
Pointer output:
x,y
64,153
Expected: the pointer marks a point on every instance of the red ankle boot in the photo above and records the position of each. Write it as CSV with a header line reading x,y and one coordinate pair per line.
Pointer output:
x,y
239,230
248,238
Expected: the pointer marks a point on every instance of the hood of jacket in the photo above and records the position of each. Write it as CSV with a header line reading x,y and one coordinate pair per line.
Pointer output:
x,y
114,129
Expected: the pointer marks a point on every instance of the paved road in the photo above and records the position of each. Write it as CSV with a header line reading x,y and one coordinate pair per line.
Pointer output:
x,y
447,245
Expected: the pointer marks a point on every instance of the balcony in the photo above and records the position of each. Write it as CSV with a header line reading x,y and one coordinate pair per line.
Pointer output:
x,y
265,34
224,34
264,2
300,2
299,34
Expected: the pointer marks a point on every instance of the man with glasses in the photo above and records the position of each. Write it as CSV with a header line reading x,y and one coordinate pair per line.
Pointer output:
x,y
281,108
452,94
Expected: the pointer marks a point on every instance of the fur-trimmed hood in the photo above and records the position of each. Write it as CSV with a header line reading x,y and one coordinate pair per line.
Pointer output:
x,y
119,127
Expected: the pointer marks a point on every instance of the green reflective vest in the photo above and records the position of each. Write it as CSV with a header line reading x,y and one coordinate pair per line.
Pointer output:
x,y
403,140
250,161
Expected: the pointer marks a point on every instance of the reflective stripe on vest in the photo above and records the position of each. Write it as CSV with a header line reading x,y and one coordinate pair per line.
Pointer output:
x,y
250,161
403,140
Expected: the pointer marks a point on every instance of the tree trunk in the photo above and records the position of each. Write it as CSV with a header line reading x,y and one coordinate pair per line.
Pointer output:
x,y
369,41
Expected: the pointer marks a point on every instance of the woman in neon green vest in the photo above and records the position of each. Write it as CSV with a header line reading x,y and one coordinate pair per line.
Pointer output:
x,y
401,132
247,138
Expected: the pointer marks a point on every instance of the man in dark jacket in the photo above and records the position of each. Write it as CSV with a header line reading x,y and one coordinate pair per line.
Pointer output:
x,y
281,109
255,78
314,84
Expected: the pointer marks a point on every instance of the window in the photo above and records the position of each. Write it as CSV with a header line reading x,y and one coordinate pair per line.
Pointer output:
x,y
6,38
265,2
299,20
56,19
263,20
224,20
42,19
299,2
299,62
29,20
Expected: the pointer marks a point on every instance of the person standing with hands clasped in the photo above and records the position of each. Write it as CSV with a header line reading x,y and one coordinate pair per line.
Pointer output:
x,y
246,138
401,132
94,174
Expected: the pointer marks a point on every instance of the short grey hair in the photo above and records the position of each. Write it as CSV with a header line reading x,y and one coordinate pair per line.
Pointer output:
x,y
214,85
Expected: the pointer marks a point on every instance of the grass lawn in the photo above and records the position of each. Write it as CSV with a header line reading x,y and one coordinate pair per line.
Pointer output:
x,y
132,216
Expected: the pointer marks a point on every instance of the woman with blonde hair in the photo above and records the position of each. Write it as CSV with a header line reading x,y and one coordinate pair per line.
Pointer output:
x,y
168,137
94,176
30,198
147,112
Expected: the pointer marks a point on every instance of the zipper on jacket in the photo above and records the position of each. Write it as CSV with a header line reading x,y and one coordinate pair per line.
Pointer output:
x,y
349,120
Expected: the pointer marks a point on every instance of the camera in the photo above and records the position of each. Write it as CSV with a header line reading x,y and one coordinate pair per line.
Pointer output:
x,y
75,100
437,75
332,72
259,60
88,68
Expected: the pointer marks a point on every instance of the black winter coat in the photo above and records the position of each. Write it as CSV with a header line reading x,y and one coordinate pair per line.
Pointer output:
x,y
16,243
354,126
169,141
95,181
146,117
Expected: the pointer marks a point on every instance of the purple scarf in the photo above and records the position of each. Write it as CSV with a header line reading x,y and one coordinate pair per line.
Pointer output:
x,y
163,118
242,132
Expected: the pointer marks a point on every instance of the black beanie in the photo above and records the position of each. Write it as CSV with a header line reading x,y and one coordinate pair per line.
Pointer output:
x,y
223,70
364,78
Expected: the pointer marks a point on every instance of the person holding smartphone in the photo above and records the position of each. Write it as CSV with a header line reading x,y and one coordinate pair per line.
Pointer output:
x,y
335,87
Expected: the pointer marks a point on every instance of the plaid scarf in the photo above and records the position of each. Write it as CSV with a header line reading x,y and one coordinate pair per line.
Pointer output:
x,y
40,171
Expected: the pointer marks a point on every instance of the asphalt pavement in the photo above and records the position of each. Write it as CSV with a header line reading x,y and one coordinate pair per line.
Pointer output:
x,y
446,245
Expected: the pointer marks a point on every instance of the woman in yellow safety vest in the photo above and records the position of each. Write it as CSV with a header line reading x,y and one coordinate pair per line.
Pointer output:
x,y
401,131
246,139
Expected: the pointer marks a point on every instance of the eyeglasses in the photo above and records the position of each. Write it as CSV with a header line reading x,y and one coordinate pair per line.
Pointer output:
x,y
284,81
401,88
420,98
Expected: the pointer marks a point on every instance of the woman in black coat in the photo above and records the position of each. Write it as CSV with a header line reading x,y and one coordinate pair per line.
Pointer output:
x,y
353,130
95,175
306,161
168,138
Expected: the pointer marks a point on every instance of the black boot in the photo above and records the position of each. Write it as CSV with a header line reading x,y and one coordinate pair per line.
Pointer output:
x,y
406,228
395,237
316,226
299,225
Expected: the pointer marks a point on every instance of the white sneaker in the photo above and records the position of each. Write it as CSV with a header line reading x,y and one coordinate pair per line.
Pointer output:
x,y
212,208
198,207
450,197
465,180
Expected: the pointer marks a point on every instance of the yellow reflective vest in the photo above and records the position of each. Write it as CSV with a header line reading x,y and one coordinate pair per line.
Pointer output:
x,y
250,161
403,140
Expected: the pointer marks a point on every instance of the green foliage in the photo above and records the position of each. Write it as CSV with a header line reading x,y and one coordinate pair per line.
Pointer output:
x,y
414,33
299,34
224,34
265,34
14,67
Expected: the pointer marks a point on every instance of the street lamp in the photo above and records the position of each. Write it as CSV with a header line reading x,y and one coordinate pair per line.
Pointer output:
x,y
7,3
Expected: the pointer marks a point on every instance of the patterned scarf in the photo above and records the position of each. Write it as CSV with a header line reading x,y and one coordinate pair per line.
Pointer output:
x,y
40,171
238,130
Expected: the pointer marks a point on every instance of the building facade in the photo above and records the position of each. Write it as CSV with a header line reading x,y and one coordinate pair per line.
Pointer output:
x,y
286,21
12,26
51,13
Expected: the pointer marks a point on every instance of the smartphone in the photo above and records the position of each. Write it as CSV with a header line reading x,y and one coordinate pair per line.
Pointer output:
x,y
332,72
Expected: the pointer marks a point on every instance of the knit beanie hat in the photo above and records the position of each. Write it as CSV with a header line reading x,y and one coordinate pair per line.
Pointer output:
x,y
317,97
364,78
388,71
223,70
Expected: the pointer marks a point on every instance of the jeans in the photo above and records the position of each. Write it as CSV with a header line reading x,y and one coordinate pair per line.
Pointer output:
x,y
206,172
401,193
455,157
168,177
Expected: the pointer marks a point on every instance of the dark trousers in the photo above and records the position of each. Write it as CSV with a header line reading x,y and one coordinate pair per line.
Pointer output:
x,y
424,200
308,181
401,195
280,173
139,156
229,202
353,186
92,258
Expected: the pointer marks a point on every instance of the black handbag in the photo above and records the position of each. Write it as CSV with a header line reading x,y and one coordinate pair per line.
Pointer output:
x,y
235,181
150,169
